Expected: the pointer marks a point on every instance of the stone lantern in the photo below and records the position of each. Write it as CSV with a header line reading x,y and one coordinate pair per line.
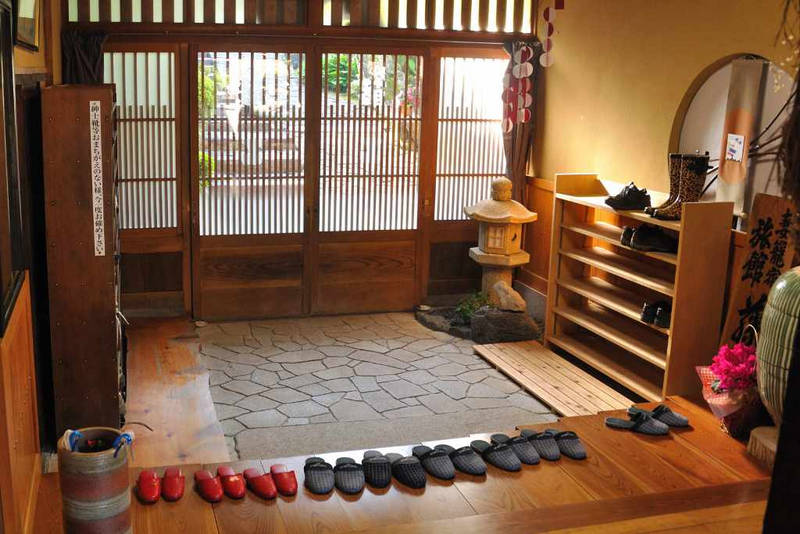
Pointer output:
x,y
499,243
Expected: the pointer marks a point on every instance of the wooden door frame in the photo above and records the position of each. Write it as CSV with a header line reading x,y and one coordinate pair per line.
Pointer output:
x,y
254,46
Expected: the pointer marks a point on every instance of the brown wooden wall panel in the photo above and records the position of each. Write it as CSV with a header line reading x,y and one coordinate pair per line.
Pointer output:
x,y
20,463
146,273
249,282
364,277
81,284
452,271
538,234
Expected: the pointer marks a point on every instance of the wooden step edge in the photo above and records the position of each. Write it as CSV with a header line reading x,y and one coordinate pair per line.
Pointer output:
x,y
625,377
656,284
617,337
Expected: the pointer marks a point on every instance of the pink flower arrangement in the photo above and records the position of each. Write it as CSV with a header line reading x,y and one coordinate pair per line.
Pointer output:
x,y
734,367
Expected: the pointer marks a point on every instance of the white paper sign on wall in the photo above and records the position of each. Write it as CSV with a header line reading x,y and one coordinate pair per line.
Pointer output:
x,y
735,147
96,159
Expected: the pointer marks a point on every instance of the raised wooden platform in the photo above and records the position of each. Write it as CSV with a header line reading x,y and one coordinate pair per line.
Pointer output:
x,y
564,387
694,478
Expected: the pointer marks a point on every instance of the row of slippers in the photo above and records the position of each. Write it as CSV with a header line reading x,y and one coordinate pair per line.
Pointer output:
x,y
503,451
212,488
442,461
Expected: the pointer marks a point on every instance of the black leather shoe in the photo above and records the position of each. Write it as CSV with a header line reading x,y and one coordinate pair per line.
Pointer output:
x,y
663,314
630,198
650,310
648,238
627,234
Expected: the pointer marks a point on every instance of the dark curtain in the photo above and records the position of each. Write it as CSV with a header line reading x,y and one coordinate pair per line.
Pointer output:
x,y
82,56
519,89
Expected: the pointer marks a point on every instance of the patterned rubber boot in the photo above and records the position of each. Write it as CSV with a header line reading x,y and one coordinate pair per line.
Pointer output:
x,y
693,177
674,183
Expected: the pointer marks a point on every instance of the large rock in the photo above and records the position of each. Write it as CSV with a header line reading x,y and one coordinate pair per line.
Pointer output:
x,y
506,298
497,326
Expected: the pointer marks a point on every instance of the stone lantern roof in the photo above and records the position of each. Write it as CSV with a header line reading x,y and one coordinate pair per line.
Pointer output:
x,y
500,208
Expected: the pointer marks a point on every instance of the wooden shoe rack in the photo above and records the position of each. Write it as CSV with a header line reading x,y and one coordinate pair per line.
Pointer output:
x,y
597,288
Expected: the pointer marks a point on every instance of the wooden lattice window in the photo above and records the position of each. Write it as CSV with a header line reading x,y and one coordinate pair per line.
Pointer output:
x,y
470,147
251,124
369,149
145,90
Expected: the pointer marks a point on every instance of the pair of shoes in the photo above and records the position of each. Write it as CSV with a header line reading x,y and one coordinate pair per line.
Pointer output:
x,y
649,238
686,185
654,423
149,487
321,477
657,313
552,443
268,485
233,484
630,198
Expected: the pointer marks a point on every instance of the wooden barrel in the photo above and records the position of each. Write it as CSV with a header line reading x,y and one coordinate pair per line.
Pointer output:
x,y
94,486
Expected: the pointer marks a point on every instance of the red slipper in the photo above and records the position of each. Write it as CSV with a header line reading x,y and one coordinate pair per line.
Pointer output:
x,y
172,484
232,482
284,479
148,486
209,487
260,483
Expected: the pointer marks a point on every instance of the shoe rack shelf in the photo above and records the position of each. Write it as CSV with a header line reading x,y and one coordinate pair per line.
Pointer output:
x,y
597,288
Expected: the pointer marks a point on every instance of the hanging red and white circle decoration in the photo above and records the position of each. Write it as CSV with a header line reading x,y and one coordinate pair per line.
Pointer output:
x,y
517,88
549,15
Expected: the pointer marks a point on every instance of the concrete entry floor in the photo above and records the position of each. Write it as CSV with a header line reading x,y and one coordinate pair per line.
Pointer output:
x,y
300,386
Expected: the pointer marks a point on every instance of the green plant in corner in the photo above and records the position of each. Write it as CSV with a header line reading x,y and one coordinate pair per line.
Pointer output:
x,y
469,305
206,164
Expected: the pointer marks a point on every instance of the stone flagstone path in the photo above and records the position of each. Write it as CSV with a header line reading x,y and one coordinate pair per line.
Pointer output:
x,y
379,368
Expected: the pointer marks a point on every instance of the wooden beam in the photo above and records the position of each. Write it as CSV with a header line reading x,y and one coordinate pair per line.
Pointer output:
x,y
209,11
336,13
411,11
147,10
394,13
230,11
466,15
167,11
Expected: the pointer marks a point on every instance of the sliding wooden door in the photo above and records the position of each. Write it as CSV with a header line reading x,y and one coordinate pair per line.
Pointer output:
x,y
369,180
250,205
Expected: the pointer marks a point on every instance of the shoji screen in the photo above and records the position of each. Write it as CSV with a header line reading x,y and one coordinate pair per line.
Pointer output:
x,y
369,147
470,152
251,115
145,83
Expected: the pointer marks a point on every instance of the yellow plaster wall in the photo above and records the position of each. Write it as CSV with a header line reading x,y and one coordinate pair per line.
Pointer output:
x,y
622,68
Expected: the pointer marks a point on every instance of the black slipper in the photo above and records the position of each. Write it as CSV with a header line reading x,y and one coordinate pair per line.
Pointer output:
x,y
639,422
498,455
319,476
407,470
377,469
544,443
348,475
523,448
663,414
464,459
569,444
435,461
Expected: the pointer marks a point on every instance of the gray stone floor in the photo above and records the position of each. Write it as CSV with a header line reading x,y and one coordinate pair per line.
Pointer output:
x,y
384,374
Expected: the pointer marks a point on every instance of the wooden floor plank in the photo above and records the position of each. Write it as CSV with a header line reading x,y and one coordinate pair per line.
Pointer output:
x,y
592,513
670,451
524,362
584,385
168,390
564,387
540,389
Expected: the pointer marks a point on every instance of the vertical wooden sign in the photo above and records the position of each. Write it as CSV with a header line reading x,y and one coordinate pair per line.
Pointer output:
x,y
769,253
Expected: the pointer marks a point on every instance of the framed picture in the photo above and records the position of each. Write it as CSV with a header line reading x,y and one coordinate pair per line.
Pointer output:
x,y
27,13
